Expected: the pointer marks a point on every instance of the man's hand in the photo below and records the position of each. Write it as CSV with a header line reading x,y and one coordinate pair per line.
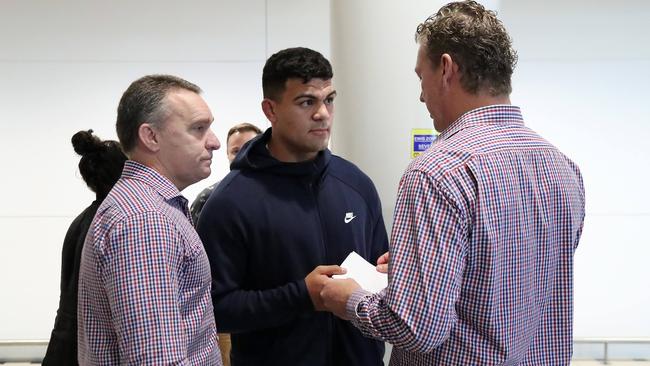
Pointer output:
x,y
317,279
335,295
382,263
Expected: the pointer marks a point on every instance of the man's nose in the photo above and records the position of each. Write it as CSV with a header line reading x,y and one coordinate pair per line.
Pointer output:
x,y
322,112
212,142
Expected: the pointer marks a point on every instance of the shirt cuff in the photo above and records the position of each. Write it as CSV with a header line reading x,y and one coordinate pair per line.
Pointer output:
x,y
353,302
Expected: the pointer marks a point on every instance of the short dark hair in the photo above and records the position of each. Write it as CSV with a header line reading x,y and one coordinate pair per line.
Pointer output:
x,y
142,102
101,162
290,63
242,127
478,43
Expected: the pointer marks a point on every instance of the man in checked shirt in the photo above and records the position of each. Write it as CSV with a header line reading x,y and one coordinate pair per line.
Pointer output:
x,y
486,221
144,284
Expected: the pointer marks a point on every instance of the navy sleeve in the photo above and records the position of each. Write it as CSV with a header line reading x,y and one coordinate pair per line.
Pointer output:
x,y
222,227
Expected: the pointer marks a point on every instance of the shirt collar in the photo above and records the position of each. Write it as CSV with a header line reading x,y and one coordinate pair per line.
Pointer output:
x,y
149,176
504,114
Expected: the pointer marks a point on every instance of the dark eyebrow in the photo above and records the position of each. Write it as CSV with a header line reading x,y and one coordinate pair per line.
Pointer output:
x,y
312,96
304,95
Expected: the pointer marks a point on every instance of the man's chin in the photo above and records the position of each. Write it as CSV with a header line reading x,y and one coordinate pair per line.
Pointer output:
x,y
204,174
324,144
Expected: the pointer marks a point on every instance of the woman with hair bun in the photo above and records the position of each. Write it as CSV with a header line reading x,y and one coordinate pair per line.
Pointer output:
x,y
100,166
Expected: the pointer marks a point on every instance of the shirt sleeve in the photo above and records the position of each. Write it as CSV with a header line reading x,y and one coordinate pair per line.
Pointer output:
x,y
140,269
416,311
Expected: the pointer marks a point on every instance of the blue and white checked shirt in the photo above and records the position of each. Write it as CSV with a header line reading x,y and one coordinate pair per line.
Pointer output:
x,y
144,283
481,256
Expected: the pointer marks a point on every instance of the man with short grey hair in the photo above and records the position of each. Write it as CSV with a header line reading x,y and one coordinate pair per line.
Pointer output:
x,y
144,285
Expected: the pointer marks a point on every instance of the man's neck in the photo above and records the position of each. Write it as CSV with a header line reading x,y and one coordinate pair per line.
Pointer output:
x,y
152,162
468,102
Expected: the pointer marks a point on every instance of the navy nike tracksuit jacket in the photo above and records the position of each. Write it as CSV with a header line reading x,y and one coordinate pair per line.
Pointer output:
x,y
265,227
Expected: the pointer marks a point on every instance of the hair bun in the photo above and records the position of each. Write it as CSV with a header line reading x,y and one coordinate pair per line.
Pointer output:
x,y
84,142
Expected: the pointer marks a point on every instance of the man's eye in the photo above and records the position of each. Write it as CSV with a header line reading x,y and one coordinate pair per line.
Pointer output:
x,y
307,103
329,100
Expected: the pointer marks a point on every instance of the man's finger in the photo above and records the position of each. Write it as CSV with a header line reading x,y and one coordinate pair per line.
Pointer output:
x,y
383,259
331,270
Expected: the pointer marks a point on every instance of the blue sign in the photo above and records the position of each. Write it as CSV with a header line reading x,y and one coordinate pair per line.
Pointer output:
x,y
421,140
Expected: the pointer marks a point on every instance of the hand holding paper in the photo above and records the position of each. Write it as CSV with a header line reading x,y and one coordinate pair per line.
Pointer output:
x,y
316,280
382,262
364,273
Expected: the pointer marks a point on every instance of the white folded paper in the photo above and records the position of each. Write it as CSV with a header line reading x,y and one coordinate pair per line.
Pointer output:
x,y
364,273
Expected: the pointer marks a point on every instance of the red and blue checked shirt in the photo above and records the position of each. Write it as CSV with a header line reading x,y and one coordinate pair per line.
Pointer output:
x,y
481,258
144,283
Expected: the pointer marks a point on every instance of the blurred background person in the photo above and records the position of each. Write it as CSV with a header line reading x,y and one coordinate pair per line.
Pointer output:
x,y
238,135
100,167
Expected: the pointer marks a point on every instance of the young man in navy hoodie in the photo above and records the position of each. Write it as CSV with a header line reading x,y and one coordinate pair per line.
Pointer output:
x,y
276,226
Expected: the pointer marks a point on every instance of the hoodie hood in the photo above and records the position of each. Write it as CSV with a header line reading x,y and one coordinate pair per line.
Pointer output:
x,y
255,156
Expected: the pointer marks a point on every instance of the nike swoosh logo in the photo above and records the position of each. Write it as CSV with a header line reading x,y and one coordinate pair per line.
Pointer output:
x,y
347,219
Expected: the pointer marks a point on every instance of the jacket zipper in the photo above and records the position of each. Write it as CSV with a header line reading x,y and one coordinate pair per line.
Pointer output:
x,y
325,260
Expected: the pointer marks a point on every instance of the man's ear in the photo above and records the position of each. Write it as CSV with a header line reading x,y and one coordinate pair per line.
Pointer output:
x,y
268,107
449,68
148,136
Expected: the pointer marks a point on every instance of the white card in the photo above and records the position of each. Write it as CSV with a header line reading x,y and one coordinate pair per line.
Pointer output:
x,y
364,273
